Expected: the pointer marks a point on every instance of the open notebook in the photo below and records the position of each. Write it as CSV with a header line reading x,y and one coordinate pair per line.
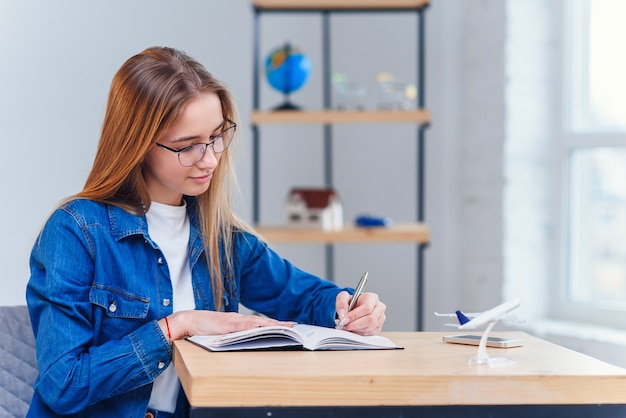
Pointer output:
x,y
308,337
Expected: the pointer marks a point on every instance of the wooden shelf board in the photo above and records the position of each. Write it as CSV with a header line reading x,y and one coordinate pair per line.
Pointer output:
x,y
339,4
410,232
420,116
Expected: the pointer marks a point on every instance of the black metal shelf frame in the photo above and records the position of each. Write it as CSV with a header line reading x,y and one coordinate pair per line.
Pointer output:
x,y
327,143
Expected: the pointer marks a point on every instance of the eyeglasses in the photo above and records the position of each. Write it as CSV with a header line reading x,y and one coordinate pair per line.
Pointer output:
x,y
192,154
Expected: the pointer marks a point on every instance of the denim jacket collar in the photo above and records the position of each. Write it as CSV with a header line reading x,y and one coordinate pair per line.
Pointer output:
x,y
125,224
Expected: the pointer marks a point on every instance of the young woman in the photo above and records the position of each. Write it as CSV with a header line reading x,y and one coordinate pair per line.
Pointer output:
x,y
150,251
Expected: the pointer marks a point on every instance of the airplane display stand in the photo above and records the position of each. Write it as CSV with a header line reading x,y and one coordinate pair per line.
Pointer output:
x,y
483,357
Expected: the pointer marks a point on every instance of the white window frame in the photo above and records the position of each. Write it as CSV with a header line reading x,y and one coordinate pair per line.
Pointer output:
x,y
575,133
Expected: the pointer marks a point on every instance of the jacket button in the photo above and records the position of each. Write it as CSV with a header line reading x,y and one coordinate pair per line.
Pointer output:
x,y
160,365
112,307
166,302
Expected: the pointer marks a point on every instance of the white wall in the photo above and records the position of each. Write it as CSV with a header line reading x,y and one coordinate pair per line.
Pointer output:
x,y
58,60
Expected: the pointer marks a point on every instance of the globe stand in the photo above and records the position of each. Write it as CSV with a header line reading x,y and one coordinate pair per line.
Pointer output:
x,y
287,105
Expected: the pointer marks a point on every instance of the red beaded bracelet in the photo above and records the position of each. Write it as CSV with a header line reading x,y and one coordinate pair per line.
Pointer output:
x,y
167,324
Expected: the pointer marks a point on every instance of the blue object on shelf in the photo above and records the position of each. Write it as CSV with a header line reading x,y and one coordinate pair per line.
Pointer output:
x,y
369,221
287,70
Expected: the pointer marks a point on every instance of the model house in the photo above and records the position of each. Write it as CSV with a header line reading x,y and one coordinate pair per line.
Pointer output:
x,y
314,208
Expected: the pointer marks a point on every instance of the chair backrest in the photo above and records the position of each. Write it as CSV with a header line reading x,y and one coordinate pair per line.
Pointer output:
x,y
18,361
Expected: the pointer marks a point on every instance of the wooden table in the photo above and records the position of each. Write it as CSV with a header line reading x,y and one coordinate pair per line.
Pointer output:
x,y
428,378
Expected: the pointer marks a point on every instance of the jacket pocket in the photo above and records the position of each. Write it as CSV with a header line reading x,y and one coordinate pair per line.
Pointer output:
x,y
118,303
116,313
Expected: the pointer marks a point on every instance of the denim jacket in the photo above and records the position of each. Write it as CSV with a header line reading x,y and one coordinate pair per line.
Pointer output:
x,y
98,286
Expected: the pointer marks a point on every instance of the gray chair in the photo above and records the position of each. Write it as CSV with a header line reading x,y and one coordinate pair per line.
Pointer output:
x,y
18,362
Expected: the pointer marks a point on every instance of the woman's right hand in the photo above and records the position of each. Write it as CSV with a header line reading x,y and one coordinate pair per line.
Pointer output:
x,y
200,322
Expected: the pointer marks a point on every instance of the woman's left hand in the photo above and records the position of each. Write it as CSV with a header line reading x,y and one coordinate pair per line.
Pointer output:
x,y
366,318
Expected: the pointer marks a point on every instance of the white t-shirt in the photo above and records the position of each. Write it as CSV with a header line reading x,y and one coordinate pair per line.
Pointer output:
x,y
168,226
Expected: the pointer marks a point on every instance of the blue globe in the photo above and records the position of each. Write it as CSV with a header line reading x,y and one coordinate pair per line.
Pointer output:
x,y
287,69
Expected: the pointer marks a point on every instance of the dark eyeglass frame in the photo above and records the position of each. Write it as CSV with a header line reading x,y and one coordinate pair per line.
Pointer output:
x,y
214,138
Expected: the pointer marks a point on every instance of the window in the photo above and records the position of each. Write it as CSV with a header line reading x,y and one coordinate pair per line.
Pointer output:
x,y
593,155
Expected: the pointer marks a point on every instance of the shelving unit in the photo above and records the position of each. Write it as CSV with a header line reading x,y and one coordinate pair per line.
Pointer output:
x,y
408,233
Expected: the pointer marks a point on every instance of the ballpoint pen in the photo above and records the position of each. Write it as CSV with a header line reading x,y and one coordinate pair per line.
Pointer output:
x,y
357,293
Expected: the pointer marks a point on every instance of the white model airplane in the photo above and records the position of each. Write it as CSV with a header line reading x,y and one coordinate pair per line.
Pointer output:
x,y
475,320
490,317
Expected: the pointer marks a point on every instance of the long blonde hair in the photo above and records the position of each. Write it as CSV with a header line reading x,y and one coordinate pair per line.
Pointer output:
x,y
148,93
